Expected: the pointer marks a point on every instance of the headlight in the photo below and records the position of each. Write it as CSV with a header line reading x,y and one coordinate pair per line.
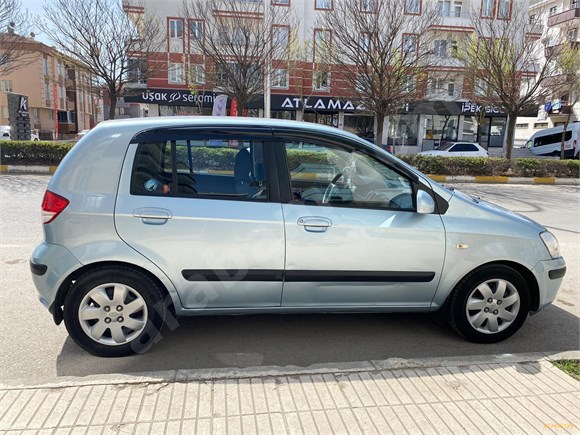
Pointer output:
x,y
551,244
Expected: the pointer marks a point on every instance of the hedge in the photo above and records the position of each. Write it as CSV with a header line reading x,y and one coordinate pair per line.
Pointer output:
x,y
51,153
31,153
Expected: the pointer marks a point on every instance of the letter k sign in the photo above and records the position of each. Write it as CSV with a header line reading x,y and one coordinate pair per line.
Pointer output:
x,y
23,104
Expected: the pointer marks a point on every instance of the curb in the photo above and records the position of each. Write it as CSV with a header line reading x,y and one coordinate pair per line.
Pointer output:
x,y
337,369
479,179
483,179
15,169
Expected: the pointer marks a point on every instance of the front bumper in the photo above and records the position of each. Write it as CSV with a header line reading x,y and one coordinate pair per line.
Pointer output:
x,y
50,265
549,274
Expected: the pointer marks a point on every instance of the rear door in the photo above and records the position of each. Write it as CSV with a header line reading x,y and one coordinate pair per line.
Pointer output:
x,y
201,206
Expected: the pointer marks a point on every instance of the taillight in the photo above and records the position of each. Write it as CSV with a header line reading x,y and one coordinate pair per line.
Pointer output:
x,y
52,206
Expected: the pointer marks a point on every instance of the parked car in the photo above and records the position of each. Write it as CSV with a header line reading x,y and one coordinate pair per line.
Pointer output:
x,y
81,133
548,142
255,224
458,149
5,133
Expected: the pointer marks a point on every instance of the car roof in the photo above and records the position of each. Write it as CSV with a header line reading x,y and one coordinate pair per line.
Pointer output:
x,y
141,124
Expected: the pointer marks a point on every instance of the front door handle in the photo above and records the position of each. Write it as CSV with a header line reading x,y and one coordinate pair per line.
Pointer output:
x,y
315,224
153,216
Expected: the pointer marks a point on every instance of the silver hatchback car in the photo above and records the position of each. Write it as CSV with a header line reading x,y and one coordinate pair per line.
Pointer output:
x,y
155,217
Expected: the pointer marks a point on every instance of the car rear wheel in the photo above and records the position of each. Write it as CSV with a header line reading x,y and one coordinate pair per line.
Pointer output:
x,y
490,304
114,311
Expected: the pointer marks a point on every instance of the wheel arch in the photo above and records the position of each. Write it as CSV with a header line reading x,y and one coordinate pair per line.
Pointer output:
x,y
533,287
56,307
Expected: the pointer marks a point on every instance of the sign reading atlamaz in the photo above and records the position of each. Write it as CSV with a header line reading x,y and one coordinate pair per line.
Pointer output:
x,y
314,104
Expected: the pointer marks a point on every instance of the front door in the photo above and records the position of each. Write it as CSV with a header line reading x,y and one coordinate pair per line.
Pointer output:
x,y
353,237
198,206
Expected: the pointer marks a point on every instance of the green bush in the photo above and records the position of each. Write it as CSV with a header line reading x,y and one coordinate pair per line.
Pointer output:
x,y
490,166
31,153
51,153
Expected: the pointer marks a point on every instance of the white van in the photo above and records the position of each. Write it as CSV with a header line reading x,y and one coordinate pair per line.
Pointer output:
x,y
548,142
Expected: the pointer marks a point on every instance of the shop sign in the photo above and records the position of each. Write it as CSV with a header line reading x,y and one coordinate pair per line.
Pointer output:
x,y
470,107
317,104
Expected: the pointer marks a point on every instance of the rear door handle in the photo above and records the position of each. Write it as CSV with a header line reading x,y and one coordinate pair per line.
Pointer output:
x,y
153,216
315,224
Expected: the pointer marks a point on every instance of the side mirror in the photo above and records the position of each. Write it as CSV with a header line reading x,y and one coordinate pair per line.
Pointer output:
x,y
425,203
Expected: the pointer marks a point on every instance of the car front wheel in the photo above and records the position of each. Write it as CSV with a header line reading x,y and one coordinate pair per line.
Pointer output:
x,y
490,304
114,311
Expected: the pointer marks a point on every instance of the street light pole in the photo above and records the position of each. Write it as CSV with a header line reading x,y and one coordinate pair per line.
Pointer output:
x,y
267,72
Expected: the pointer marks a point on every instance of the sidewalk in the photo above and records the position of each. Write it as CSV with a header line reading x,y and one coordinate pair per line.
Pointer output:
x,y
460,397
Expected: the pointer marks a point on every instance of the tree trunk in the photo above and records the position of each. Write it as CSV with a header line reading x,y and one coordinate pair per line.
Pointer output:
x,y
562,150
380,124
511,131
113,101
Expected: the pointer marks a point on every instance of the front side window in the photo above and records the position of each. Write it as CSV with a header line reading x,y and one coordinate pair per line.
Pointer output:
x,y
201,168
328,175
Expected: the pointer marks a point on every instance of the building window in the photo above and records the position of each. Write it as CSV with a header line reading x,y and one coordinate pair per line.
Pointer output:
x,y
522,125
280,36
368,5
505,9
176,29
553,10
47,95
45,65
365,42
196,30
175,73
440,47
5,85
322,42
413,7
197,73
323,4
280,78
322,81
410,45
540,125
4,112
451,88
409,84
487,8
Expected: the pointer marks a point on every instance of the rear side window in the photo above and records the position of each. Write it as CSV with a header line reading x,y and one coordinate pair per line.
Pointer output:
x,y
206,168
551,139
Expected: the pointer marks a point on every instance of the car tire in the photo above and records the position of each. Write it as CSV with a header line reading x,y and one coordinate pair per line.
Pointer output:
x,y
489,304
114,311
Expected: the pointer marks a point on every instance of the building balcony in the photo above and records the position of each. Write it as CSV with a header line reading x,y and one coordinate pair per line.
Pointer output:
x,y
563,17
556,49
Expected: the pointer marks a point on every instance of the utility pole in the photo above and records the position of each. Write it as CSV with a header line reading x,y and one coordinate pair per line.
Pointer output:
x,y
267,72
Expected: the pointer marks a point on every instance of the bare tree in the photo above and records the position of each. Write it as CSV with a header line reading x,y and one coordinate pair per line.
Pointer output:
x,y
569,84
14,24
383,48
505,60
113,45
237,43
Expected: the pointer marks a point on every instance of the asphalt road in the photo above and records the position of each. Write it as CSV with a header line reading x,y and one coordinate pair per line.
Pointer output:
x,y
33,349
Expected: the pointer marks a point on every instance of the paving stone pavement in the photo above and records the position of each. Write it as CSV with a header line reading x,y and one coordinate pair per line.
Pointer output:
x,y
526,398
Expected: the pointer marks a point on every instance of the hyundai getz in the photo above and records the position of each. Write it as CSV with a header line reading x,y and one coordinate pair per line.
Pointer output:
x,y
153,217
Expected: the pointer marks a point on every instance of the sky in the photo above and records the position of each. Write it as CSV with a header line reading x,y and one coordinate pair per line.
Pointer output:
x,y
35,7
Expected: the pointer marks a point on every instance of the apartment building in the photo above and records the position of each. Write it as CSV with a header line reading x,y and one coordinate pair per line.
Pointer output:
x,y
446,114
61,99
561,23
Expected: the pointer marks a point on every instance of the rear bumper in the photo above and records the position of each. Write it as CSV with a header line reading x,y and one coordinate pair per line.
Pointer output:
x,y
50,265
549,274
